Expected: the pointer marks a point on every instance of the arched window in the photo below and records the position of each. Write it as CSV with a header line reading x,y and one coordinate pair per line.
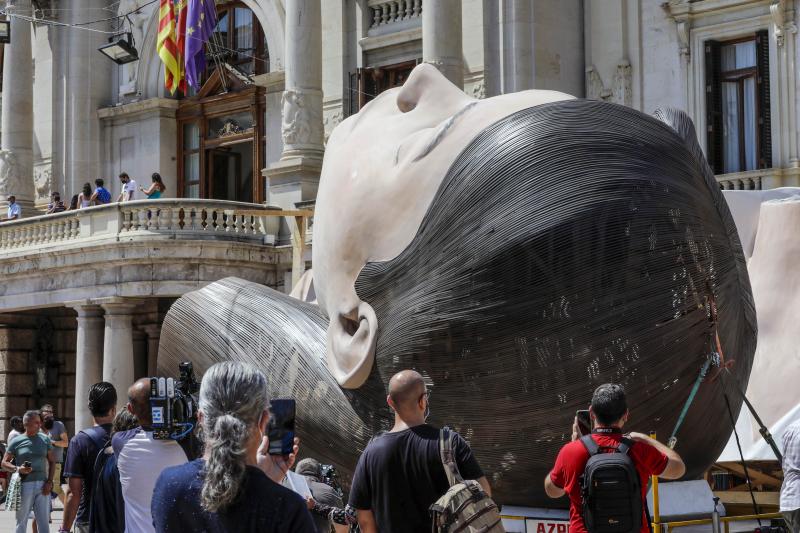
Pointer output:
x,y
221,141
238,40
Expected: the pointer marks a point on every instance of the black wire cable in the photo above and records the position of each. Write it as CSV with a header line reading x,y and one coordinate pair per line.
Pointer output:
x,y
741,457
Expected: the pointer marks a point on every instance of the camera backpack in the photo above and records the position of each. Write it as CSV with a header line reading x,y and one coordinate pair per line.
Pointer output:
x,y
610,489
465,507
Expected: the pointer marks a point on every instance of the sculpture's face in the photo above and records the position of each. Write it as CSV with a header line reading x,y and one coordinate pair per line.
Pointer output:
x,y
382,168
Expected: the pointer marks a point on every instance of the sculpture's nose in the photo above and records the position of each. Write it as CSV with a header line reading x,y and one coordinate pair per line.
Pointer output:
x,y
426,85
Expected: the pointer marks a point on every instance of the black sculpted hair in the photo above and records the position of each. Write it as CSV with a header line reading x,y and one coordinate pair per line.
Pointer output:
x,y
102,397
609,403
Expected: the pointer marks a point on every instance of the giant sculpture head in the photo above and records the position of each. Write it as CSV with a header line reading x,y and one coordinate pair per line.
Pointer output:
x,y
516,251
382,169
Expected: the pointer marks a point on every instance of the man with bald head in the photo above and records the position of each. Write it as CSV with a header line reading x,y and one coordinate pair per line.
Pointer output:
x,y
400,474
141,458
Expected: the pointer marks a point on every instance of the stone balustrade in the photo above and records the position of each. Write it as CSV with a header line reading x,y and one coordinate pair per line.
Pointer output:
x,y
739,183
177,218
392,14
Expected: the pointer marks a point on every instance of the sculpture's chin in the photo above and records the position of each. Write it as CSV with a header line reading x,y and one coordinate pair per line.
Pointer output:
x,y
350,346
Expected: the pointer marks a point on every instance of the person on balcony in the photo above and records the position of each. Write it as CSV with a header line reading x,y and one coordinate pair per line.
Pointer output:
x,y
156,188
101,194
85,197
55,205
14,210
128,193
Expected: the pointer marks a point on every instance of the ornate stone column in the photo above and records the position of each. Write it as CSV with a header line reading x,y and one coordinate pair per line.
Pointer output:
x,y
16,155
302,127
441,38
118,347
153,332
89,359
295,177
88,88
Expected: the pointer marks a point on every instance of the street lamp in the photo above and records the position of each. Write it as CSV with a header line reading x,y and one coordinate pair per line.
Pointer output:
x,y
119,50
5,32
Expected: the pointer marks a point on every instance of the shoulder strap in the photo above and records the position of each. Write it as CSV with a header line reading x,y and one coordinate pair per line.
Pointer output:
x,y
448,457
97,438
624,445
590,445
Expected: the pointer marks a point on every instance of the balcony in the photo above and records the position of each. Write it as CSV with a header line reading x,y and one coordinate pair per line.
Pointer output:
x,y
756,180
147,248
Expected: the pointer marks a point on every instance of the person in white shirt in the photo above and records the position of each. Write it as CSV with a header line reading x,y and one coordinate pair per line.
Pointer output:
x,y
128,188
790,490
140,460
14,210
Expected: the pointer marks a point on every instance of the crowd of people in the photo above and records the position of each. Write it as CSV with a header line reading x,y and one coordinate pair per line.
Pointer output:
x,y
89,197
120,478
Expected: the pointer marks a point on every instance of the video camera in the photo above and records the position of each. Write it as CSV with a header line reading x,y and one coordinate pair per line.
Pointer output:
x,y
330,477
173,404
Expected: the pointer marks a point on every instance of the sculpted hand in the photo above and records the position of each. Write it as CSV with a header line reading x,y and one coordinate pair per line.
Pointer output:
x,y
276,466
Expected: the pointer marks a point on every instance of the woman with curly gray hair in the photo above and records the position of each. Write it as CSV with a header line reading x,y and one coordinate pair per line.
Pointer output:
x,y
235,485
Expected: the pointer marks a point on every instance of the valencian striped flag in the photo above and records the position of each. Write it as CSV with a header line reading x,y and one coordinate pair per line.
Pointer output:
x,y
181,10
167,47
201,18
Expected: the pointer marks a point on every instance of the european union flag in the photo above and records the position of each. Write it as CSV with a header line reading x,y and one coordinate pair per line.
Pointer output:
x,y
201,19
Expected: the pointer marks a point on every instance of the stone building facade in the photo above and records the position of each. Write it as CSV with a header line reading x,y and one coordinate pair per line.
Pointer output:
x,y
84,292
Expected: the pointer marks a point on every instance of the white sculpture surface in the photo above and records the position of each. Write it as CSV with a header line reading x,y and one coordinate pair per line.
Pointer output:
x,y
772,251
382,168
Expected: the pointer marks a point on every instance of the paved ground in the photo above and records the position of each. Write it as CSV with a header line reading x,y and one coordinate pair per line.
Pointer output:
x,y
7,522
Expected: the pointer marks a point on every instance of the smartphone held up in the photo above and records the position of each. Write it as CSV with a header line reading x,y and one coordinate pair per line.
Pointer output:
x,y
584,421
281,426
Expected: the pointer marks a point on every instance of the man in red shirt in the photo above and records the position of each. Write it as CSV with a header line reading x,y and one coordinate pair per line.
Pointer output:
x,y
609,412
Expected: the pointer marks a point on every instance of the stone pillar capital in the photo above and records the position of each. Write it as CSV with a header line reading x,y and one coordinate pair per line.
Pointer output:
x,y
118,306
86,309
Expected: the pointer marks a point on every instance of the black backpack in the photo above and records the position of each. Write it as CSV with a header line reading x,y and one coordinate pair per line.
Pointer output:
x,y
107,507
611,489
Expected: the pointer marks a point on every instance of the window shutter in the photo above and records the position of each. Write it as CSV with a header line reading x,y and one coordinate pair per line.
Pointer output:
x,y
352,93
713,106
764,110
369,85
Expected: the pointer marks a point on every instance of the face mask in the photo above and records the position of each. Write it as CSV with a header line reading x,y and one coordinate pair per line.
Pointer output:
x,y
48,423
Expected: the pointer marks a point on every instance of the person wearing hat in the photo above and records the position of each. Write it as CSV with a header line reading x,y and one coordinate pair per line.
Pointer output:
x,y
323,495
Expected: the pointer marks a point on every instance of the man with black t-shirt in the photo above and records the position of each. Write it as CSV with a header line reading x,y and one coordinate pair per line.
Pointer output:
x,y
400,474
82,453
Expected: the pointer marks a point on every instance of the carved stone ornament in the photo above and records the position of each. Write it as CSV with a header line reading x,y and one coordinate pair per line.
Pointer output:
x,y
682,27
777,9
9,173
331,121
595,89
479,90
622,92
299,124
43,181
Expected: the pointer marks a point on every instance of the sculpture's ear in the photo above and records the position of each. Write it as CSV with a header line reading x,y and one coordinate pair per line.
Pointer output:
x,y
351,345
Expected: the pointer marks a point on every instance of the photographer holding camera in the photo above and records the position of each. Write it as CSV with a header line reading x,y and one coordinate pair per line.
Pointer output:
x,y
141,458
